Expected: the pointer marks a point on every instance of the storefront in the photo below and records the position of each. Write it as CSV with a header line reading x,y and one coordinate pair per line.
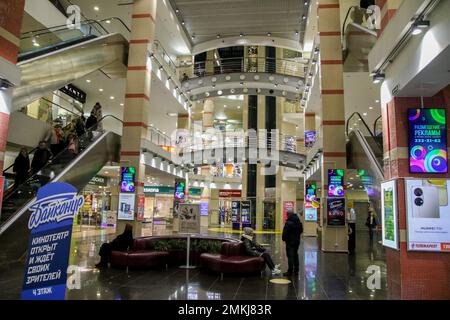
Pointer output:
x,y
96,211
229,208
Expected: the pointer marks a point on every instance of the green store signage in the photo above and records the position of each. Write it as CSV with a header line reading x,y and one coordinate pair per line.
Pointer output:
x,y
150,190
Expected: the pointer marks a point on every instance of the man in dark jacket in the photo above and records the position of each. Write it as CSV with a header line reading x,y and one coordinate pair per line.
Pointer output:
x,y
291,236
123,242
41,157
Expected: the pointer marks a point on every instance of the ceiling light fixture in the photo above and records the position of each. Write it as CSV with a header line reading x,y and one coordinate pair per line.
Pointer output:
x,y
241,34
96,8
378,77
269,34
419,26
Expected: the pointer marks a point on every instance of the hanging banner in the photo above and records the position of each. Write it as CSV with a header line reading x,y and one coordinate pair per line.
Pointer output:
x,y
141,208
427,141
336,212
50,224
428,215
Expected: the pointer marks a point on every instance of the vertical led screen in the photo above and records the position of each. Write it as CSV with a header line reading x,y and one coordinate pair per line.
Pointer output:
x,y
179,189
127,179
310,192
335,182
427,141
310,138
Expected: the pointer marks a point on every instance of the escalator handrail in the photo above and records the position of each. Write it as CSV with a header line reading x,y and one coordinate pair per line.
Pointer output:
x,y
365,124
375,125
55,156
64,27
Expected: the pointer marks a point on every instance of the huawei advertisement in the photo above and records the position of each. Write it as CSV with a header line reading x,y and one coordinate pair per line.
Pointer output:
x,y
335,182
427,141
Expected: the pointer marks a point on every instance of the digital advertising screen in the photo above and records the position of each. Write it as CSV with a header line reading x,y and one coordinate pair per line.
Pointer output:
x,y
310,138
311,190
127,179
389,214
126,206
336,212
246,213
428,215
427,141
335,182
179,189
311,214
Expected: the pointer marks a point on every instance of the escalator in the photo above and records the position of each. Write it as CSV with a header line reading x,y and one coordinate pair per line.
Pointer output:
x,y
365,154
51,58
96,149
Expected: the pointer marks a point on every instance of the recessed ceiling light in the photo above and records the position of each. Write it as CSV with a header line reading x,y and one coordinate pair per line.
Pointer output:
x,y
224,105
112,98
377,101
108,21
121,104
365,114
101,90
96,8
238,107
370,108
88,81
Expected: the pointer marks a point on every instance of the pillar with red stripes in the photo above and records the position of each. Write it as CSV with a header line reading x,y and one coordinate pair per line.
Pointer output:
x,y
11,14
334,239
388,8
136,115
411,274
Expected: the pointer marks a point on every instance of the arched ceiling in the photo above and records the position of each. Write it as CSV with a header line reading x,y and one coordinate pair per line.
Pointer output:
x,y
206,20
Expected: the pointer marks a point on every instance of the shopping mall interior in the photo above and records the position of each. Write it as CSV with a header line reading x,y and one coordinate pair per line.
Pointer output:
x,y
192,121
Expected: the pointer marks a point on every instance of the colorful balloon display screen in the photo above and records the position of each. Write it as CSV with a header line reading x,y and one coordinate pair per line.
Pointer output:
x,y
335,183
427,141
127,179
310,192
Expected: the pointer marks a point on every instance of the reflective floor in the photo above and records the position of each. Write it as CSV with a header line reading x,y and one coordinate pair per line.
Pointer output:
x,y
322,275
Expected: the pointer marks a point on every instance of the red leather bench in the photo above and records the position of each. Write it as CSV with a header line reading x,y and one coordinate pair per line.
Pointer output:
x,y
232,260
142,256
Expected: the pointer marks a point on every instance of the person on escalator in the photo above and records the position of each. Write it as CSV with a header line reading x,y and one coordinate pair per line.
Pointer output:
x,y
57,140
97,112
41,157
21,167
72,145
123,242
252,248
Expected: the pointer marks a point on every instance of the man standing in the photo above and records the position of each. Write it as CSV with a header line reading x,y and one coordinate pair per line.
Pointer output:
x,y
352,230
291,236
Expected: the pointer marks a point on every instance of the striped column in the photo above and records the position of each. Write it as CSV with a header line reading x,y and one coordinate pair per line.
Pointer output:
x,y
137,98
388,9
208,123
333,110
411,275
11,14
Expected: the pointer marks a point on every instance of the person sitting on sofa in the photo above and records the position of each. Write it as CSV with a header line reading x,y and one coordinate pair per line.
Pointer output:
x,y
252,248
122,242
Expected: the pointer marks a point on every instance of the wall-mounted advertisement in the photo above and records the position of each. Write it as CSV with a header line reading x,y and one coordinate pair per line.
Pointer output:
x,y
290,144
428,215
389,214
204,208
246,214
310,138
311,191
180,185
311,214
336,212
140,208
189,215
127,179
427,141
335,182
126,206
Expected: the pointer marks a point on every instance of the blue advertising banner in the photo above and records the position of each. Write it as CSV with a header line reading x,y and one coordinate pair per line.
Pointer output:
x,y
50,225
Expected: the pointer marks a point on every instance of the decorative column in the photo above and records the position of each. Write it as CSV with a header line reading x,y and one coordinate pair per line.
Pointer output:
x,y
388,9
208,123
334,239
11,14
137,97
411,274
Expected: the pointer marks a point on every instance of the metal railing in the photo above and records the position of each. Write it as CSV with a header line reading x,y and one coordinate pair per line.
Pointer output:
x,y
254,64
158,50
158,137
377,126
358,121
46,37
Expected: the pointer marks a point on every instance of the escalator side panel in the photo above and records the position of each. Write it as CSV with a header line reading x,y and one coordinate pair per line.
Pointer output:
x,y
14,233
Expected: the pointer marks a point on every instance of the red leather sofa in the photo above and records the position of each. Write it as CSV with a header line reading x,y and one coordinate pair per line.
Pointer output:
x,y
232,260
143,254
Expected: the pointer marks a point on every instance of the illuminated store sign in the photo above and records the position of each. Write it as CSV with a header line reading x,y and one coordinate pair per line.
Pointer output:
x,y
335,183
427,141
